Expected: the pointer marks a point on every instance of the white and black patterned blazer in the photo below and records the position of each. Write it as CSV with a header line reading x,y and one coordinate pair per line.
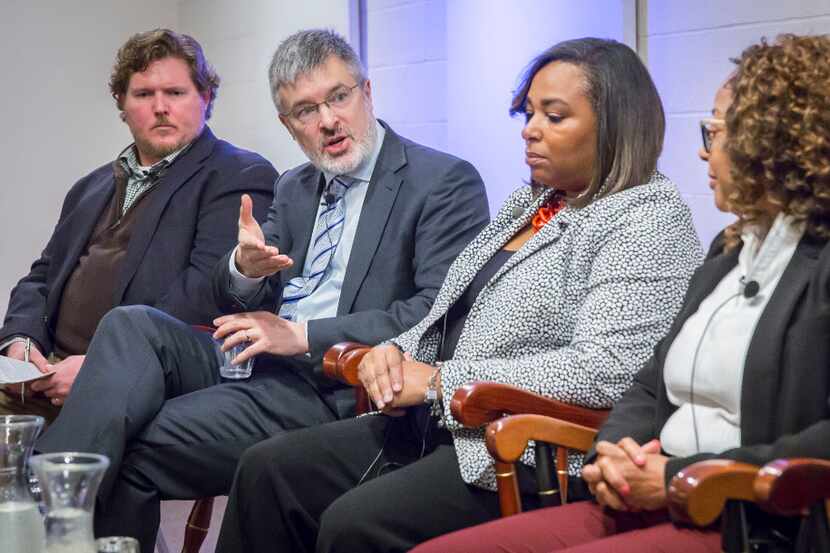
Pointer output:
x,y
573,314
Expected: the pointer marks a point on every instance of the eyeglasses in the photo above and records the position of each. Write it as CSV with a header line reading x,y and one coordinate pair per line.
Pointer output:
x,y
338,100
709,127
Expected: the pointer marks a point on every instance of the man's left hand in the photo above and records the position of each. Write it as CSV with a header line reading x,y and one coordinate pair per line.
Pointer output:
x,y
58,385
267,333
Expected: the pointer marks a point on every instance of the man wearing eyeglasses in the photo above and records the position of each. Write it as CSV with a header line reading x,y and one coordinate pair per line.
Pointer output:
x,y
356,245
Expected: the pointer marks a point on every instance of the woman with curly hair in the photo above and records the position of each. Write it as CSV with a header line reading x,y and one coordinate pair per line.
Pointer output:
x,y
743,372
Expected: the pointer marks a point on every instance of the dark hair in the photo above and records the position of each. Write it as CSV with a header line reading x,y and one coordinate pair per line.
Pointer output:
x,y
142,49
778,134
629,113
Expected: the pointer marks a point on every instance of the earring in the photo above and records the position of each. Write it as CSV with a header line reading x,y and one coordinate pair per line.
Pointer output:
x,y
123,116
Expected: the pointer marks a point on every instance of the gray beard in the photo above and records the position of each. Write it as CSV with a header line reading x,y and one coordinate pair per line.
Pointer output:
x,y
363,147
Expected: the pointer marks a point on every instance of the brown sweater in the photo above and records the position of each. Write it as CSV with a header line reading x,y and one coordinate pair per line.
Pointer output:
x,y
90,290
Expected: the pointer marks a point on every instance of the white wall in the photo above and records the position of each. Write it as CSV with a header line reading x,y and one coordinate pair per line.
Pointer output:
x,y
406,43
443,70
489,43
239,39
58,120
689,46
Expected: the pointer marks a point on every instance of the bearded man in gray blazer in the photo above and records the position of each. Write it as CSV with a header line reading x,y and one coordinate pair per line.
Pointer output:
x,y
356,245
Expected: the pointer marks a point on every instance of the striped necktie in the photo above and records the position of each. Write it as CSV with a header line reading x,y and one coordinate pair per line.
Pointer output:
x,y
326,236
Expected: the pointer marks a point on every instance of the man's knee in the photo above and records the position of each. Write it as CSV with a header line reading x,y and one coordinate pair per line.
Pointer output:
x,y
127,316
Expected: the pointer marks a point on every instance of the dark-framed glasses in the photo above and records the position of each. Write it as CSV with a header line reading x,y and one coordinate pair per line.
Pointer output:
x,y
709,128
338,100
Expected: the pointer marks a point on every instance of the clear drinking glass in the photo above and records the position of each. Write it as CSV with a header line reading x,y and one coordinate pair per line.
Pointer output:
x,y
21,524
236,372
117,544
69,482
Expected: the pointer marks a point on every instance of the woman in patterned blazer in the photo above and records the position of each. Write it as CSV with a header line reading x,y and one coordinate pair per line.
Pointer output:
x,y
565,293
743,372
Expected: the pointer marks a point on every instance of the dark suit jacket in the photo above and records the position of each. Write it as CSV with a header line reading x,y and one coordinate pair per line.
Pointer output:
x,y
785,400
421,208
190,222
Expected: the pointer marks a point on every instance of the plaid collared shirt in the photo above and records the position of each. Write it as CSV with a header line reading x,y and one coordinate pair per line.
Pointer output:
x,y
141,179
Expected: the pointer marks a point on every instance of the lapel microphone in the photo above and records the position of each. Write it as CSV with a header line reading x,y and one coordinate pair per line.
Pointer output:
x,y
329,195
750,288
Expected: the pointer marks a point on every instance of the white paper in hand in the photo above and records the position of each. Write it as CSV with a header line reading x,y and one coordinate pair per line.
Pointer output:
x,y
13,371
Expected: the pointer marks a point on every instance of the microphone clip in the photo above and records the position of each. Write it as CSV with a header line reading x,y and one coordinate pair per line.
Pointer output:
x,y
749,288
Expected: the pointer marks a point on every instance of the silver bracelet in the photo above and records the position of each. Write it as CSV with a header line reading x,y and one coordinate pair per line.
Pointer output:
x,y
431,395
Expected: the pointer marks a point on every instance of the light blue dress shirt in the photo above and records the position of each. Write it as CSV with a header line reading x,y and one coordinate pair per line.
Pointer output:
x,y
322,303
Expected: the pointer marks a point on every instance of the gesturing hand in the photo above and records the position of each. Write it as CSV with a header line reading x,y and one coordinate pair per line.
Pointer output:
x,y
253,257
267,333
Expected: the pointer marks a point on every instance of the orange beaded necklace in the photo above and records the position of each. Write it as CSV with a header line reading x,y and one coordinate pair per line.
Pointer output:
x,y
547,211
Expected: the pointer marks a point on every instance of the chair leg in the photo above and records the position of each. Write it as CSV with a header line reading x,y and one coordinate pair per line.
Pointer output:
x,y
198,524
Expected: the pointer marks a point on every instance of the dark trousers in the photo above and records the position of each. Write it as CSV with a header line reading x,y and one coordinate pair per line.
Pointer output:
x,y
301,491
149,396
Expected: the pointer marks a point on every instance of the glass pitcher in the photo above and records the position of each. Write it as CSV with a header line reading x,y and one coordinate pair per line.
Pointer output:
x,y
21,524
69,482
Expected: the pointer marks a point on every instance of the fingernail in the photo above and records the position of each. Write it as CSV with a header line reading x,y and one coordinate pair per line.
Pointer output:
x,y
387,396
396,387
380,405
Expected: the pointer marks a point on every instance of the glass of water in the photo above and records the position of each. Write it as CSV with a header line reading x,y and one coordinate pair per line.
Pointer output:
x,y
236,372
117,544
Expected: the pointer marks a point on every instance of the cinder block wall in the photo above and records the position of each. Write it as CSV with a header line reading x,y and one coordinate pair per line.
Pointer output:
x,y
689,45
239,39
406,54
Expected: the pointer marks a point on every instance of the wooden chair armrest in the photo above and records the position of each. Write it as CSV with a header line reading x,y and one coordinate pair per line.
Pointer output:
x,y
340,361
789,487
507,438
698,493
479,403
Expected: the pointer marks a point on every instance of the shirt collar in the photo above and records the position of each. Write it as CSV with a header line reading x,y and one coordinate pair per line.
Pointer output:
x,y
129,161
763,259
364,171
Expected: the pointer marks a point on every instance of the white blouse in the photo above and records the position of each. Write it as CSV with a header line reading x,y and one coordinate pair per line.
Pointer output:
x,y
705,365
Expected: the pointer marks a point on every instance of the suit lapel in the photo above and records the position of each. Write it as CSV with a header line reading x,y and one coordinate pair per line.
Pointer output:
x,y
705,280
481,250
179,173
81,222
380,197
763,360
548,234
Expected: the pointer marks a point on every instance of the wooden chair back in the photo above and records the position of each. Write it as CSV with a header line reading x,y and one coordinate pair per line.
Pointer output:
x,y
518,416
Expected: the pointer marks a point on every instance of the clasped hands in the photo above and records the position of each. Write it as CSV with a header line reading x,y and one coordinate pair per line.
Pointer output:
x,y
627,476
394,380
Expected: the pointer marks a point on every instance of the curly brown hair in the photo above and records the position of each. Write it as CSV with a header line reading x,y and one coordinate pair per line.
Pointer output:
x,y
778,129
142,49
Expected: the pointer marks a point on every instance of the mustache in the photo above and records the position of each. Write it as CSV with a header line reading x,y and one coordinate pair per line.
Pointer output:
x,y
337,132
162,120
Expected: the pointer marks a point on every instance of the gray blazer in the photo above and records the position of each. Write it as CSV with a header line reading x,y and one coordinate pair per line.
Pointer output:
x,y
573,314
421,208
